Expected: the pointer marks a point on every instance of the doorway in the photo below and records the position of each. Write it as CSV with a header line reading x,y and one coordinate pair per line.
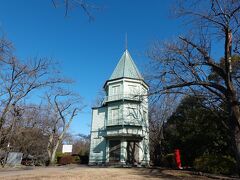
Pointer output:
x,y
132,152
114,151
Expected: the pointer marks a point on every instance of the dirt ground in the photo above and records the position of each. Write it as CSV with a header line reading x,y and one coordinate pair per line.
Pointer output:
x,y
73,172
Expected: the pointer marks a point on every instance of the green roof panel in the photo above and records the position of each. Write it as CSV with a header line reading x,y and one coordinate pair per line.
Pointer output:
x,y
126,68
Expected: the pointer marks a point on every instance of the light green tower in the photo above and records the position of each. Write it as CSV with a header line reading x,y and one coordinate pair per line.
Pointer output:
x,y
119,133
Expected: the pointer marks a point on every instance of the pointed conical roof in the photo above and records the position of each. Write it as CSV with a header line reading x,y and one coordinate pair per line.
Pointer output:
x,y
126,68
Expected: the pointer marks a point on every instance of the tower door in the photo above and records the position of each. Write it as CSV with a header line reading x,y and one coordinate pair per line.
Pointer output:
x,y
132,152
114,150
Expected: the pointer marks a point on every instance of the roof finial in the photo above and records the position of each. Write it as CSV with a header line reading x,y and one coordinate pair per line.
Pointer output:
x,y
126,42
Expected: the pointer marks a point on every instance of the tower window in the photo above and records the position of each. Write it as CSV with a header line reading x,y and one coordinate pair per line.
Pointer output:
x,y
116,90
114,116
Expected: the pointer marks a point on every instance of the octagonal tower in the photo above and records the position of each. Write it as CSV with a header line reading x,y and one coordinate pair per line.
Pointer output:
x,y
119,132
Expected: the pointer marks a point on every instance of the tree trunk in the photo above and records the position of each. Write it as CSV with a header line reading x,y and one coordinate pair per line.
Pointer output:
x,y
237,142
233,107
235,128
49,147
53,155
52,148
234,123
55,147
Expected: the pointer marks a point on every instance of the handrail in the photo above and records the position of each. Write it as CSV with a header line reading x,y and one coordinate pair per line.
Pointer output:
x,y
120,121
133,97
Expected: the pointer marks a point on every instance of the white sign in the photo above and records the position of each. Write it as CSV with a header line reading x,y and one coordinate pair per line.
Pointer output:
x,y
14,158
67,148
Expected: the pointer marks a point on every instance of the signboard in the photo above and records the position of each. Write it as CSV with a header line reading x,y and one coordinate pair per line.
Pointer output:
x,y
67,148
14,158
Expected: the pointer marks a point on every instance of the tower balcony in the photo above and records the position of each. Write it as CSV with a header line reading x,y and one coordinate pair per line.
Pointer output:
x,y
124,122
118,97
119,128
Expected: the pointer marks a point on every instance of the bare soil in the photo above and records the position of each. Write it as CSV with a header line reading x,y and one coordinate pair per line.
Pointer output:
x,y
72,172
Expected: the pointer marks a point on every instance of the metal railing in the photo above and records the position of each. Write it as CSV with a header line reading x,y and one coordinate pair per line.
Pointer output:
x,y
124,122
132,97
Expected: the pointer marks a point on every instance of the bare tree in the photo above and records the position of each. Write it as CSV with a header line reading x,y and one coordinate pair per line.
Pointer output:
x,y
26,129
62,107
187,63
99,100
159,112
81,145
71,4
18,79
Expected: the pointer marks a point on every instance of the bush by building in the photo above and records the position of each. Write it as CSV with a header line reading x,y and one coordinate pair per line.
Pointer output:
x,y
66,159
216,164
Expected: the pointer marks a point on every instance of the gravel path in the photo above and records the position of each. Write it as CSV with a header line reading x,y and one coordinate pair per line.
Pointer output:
x,y
73,172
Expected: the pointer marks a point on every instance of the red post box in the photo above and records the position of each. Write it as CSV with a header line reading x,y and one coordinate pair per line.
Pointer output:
x,y
178,158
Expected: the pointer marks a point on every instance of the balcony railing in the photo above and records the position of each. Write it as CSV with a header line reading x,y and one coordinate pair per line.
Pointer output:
x,y
131,97
124,122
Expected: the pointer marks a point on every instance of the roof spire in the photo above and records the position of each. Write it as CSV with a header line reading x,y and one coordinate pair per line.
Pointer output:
x,y
126,68
126,41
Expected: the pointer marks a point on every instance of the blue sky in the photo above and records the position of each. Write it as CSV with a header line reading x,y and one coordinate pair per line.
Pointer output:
x,y
87,51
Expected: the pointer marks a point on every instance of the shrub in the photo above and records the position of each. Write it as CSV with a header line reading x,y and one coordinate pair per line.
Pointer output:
x,y
47,162
58,156
66,159
215,164
76,159
169,160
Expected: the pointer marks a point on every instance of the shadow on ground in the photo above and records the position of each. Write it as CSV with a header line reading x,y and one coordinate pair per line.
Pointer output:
x,y
166,173
154,172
